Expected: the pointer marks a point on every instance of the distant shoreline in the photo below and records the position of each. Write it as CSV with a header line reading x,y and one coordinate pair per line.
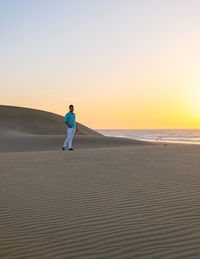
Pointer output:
x,y
176,136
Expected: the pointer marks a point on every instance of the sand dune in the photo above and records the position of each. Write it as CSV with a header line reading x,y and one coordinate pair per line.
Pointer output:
x,y
25,120
114,202
23,129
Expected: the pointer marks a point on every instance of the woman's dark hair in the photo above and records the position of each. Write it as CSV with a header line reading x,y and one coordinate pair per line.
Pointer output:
x,y
71,106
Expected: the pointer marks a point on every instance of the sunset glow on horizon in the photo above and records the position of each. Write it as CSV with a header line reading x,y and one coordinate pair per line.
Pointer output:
x,y
123,64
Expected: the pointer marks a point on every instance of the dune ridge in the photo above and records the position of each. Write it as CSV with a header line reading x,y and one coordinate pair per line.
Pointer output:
x,y
37,122
23,129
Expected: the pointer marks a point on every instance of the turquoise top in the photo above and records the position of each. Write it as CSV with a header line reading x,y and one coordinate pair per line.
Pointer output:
x,y
71,119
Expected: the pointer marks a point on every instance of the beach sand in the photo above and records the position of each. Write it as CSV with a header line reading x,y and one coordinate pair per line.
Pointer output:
x,y
109,198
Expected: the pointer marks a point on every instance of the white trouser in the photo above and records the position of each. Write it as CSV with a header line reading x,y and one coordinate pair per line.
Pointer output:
x,y
70,135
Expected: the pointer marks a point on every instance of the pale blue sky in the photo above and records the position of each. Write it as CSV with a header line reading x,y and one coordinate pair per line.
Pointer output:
x,y
94,52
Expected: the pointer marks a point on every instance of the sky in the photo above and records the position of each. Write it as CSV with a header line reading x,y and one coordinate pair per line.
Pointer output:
x,y
124,64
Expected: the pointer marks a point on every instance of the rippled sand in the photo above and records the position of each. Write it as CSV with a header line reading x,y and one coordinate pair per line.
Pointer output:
x,y
115,200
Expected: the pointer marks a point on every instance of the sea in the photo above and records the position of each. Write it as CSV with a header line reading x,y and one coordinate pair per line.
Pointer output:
x,y
191,136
